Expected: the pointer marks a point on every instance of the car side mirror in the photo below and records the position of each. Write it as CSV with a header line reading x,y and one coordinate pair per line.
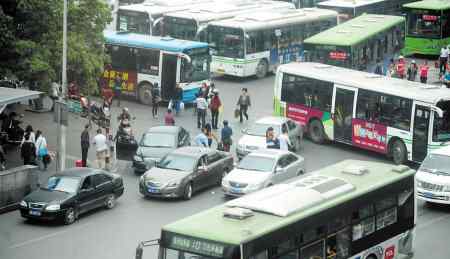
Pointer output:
x,y
279,170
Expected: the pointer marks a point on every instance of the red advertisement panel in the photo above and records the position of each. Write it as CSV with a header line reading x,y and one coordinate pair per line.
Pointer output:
x,y
129,80
336,55
301,113
389,253
368,135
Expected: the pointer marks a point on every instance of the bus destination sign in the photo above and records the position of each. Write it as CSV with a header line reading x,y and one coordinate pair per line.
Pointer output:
x,y
203,247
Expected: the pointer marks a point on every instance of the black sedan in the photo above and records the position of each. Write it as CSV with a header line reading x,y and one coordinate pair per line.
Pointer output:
x,y
184,171
156,143
71,193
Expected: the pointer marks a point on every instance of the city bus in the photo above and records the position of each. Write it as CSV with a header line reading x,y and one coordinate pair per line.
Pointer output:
x,y
350,9
191,24
142,61
303,3
359,42
256,43
401,119
428,27
349,210
145,18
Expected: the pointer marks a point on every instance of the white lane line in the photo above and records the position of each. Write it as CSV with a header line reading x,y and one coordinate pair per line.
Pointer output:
x,y
34,240
432,221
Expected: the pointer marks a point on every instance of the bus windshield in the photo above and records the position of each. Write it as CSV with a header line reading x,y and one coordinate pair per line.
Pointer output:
x,y
136,22
174,254
441,127
198,68
226,42
331,55
424,25
179,28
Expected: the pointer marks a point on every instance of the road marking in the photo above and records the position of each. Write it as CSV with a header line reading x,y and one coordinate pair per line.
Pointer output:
x,y
34,240
432,221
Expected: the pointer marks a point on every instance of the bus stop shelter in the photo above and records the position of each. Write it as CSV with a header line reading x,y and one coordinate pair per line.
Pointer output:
x,y
15,95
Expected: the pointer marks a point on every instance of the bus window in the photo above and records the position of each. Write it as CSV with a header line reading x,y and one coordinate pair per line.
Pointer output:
x,y
148,61
285,250
338,244
123,58
424,25
313,251
262,255
386,212
441,126
363,222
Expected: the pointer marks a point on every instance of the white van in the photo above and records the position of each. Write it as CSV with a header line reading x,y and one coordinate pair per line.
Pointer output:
x,y
433,177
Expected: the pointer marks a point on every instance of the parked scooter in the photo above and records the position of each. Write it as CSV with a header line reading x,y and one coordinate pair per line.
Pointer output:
x,y
126,143
100,115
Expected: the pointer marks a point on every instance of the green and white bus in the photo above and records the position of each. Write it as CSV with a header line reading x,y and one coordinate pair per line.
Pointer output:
x,y
303,3
401,119
349,210
359,42
191,24
257,43
428,27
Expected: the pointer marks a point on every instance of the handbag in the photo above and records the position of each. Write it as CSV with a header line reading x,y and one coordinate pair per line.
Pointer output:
x,y
236,113
42,151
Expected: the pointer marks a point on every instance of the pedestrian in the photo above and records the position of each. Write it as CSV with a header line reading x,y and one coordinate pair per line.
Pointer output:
x,y
379,67
391,68
54,94
178,98
28,150
412,71
401,67
226,135
85,143
423,70
29,130
41,150
446,79
156,99
210,134
118,89
202,107
169,120
101,149
201,139
2,159
243,103
283,139
271,141
214,107
443,58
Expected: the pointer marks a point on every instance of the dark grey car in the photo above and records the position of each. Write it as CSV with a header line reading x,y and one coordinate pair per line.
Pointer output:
x,y
184,171
156,143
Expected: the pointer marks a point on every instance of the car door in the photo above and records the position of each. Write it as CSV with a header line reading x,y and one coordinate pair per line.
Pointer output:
x,y
103,187
215,168
200,176
86,197
292,167
280,173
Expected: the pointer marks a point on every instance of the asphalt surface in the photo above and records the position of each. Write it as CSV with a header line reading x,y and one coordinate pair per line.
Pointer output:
x,y
114,234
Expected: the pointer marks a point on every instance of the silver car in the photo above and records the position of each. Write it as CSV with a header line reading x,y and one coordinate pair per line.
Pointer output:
x,y
254,137
260,169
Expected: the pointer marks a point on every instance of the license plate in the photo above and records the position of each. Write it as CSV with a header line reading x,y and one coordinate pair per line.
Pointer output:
x,y
428,195
153,190
220,70
35,213
236,190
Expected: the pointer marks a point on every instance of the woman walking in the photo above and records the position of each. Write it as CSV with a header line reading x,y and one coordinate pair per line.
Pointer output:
x,y
28,150
30,132
210,135
156,98
41,150
243,103
214,107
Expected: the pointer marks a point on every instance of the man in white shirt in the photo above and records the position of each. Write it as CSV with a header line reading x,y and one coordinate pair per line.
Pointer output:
x,y
443,58
101,148
283,139
202,106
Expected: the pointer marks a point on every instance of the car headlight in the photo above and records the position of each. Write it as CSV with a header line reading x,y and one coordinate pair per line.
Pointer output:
x,y
224,182
419,183
446,188
23,204
53,207
172,184
138,159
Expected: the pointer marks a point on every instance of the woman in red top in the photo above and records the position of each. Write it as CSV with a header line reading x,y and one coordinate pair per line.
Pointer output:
x,y
214,107
169,120
423,71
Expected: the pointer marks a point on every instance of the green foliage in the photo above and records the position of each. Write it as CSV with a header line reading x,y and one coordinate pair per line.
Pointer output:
x,y
31,40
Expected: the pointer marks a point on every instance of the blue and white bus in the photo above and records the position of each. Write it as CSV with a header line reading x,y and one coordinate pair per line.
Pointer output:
x,y
143,61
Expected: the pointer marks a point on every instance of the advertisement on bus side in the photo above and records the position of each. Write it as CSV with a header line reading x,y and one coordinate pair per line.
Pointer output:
x,y
302,114
129,80
369,135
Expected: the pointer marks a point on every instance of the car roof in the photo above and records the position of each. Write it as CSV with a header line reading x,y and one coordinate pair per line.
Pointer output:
x,y
269,152
80,172
164,129
272,120
445,151
193,151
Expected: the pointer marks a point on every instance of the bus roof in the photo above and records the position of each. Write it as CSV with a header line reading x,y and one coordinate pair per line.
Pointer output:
x,y
429,5
348,4
267,19
151,42
302,195
220,11
162,7
363,80
355,30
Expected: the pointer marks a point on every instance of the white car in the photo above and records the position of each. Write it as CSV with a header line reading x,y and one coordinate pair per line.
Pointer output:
x,y
260,169
433,177
254,137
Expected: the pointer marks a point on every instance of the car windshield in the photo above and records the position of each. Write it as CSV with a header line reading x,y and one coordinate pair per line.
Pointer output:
x,y
259,129
257,163
177,162
158,140
437,164
63,184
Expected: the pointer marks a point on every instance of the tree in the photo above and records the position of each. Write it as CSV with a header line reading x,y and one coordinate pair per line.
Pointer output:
x,y
33,42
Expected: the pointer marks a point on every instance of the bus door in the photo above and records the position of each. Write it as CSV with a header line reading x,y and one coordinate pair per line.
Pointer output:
x,y
168,76
420,132
342,112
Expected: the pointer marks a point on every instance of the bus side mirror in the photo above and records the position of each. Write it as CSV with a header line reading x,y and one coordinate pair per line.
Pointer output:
x,y
139,251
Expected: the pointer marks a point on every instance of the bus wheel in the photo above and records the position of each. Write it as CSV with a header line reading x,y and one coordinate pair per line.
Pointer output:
x,y
262,68
316,131
144,94
398,152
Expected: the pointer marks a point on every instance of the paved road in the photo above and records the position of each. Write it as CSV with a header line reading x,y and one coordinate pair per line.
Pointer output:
x,y
114,234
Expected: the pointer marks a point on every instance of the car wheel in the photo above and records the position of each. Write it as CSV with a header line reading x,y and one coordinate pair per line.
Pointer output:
x,y
187,192
262,68
316,131
398,151
144,94
110,201
70,216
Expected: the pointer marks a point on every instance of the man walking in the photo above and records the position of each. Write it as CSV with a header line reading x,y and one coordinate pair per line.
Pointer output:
x,y
101,148
226,134
85,145
202,105
118,89
214,106
178,98
443,58
54,94
243,103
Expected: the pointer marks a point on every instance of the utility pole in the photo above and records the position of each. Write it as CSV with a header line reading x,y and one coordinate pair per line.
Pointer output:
x,y
62,128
